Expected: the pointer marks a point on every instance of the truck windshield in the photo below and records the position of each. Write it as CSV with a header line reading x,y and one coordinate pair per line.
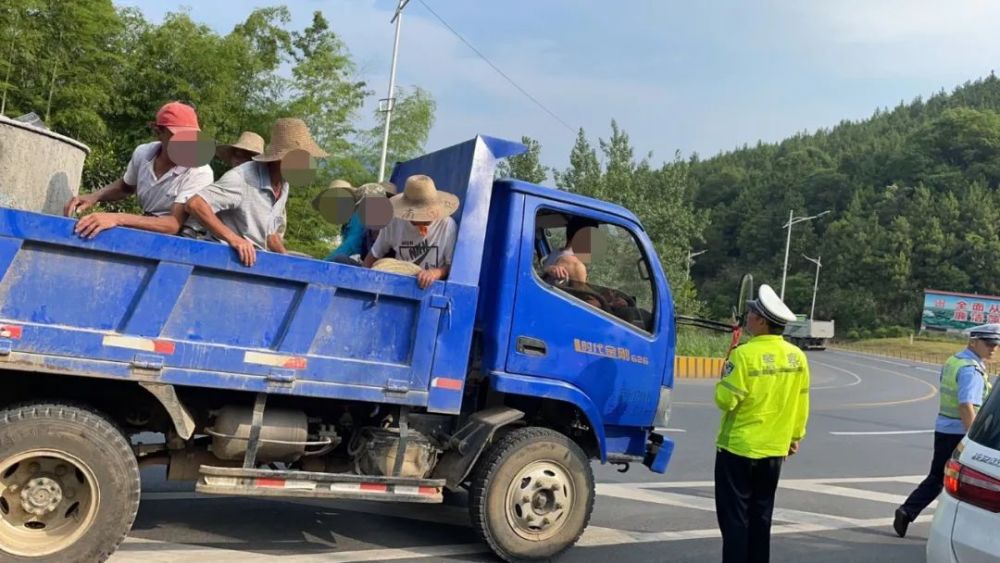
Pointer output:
x,y
597,262
986,429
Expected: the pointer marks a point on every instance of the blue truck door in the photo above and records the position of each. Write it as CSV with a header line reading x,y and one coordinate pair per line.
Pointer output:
x,y
604,337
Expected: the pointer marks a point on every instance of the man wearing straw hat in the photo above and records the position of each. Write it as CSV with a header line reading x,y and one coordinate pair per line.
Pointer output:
x,y
243,150
422,232
162,175
246,207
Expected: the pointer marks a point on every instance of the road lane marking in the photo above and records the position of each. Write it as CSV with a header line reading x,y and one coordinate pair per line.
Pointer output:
x,y
594,536
882,433
791,522
857,378
875,358
708,504
933,390
147,551
860,494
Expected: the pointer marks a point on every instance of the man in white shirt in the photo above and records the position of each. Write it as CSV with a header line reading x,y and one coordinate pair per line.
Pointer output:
x,y
245,208
421,232
163,175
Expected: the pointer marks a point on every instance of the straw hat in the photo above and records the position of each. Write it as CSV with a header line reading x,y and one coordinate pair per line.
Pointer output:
x,y
248,141
289,134
421,201
397,267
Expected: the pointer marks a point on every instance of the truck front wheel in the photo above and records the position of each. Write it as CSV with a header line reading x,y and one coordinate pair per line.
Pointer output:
x,y
532,494
69,485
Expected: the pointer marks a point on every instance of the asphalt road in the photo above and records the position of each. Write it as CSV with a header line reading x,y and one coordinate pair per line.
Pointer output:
x,y
869,442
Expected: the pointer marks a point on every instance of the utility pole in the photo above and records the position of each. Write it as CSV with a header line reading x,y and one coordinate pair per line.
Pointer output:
x,y
690,261
390,100
812,310
788,242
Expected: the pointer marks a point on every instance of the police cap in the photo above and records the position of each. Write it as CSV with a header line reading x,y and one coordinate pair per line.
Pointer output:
x,y
989,333
770,306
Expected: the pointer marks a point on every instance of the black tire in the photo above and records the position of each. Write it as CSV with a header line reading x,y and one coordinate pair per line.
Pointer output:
x,y
91,443
493,484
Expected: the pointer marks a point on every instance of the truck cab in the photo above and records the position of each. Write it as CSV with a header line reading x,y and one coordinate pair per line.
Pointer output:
x,y
303,378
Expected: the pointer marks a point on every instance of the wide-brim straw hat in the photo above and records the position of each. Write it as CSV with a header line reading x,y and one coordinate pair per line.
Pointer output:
x,y
248,141
290,134
397,267
421,201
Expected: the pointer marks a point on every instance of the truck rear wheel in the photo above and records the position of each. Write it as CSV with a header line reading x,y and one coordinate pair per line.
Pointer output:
x,y
69,485
532,494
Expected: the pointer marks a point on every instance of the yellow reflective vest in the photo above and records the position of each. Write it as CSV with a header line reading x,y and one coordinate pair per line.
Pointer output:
x,y
764,398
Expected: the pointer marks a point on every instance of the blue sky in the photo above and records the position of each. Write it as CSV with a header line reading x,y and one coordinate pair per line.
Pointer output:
x,y
677,75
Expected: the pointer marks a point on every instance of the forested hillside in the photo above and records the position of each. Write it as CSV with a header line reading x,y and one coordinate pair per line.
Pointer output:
x,y
913,199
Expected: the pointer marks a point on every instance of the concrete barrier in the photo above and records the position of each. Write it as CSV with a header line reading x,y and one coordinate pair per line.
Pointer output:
x,y
696,367
39,170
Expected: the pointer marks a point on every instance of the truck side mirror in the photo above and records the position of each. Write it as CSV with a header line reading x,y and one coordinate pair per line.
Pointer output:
x,y
745,294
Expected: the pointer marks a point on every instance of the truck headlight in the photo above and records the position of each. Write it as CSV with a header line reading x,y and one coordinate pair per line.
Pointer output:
x,y
662,409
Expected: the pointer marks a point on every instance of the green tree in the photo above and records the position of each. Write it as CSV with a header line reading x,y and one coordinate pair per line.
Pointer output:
x,y
412,119
527,166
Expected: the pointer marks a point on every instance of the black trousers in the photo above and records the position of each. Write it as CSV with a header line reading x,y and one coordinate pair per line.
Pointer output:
x,y
744,501
930,488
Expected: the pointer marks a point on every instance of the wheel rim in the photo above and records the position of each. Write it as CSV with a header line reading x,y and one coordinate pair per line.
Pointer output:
x,y
48,501
539,500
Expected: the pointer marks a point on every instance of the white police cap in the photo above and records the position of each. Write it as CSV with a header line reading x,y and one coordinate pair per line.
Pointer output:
x,y
770,306
990,332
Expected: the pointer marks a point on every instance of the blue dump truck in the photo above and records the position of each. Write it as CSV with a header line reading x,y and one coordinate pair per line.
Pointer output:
x,y
302,378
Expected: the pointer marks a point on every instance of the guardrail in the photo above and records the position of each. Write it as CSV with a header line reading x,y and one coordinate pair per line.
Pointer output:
x,y
697,367
933,358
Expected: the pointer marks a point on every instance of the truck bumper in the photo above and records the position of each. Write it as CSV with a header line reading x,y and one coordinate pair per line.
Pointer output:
x,y
658,452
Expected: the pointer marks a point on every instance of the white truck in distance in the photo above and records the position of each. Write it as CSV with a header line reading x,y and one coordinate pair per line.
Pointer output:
x,y
809,334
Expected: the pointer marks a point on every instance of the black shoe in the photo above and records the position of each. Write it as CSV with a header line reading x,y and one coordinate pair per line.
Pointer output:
x,y
901,522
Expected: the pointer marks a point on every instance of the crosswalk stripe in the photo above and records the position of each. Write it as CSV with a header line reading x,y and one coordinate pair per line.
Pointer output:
x,y
860,494
787,521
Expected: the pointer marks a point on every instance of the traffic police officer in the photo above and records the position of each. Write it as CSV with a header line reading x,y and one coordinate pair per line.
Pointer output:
x,y
964,387
764,398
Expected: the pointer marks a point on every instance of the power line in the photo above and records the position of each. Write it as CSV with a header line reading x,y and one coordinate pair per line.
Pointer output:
x,y
570,128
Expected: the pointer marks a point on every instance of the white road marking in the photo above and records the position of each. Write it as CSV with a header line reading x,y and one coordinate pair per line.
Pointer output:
x,y
826,480
708,505
788,521
860,494
883,433
151,551
857,378
879,359
622,537
933,389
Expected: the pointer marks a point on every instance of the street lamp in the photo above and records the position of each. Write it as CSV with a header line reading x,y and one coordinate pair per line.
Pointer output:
x,y
690,261
390,101
819,265
788,242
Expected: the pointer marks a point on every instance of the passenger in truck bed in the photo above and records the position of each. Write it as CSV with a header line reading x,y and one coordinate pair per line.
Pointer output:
x,y
421,232
362,211
162,175
246,207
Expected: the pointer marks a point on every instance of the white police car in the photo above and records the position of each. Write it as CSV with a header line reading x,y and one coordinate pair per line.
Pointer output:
x,y
966,527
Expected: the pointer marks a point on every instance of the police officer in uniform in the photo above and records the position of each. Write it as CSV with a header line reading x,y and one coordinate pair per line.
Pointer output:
x,y
764,398
964,387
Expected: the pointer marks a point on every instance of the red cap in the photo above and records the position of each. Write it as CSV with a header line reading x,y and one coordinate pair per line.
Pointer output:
x,y
176,116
